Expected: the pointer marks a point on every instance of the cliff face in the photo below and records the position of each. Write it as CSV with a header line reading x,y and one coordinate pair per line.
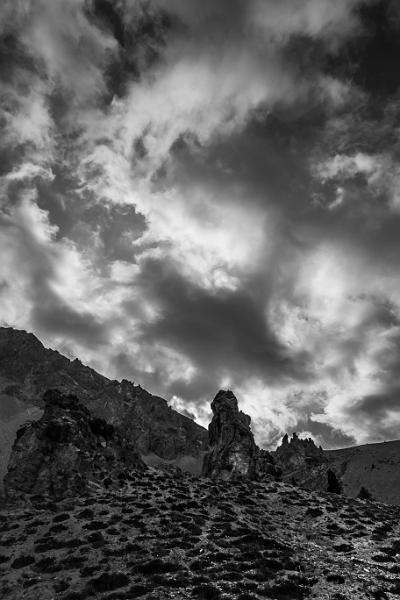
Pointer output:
x,y
66,451
233,451
27,370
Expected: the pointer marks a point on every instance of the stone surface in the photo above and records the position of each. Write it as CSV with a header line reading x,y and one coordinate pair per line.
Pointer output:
x,y
28,369
233,451
67,452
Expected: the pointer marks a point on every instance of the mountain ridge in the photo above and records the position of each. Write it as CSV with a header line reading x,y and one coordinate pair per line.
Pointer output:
x,y
162,435
28,369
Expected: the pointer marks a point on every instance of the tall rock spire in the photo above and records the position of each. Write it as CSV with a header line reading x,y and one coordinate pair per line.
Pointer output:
x,y
233,451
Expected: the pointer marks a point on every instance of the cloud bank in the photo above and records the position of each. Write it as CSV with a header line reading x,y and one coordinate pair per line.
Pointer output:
x,y
197,195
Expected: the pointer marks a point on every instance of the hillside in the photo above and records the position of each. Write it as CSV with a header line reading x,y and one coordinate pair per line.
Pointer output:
x,y
168,535
375,467
372,468
28,369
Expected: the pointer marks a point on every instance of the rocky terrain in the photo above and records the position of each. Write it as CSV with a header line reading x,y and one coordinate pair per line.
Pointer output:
x,y
170,535
27,370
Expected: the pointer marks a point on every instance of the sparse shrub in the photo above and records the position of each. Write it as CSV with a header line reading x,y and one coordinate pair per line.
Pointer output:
x,y
87,571
364,494
101,427
61,586
314,511
381,558
60,517
335,578
22,561
86,513
72,562
199,564
137,590
95,525
231,576
107,582
156,565
48,565
334,486
75,596
343,547
58,528
206,592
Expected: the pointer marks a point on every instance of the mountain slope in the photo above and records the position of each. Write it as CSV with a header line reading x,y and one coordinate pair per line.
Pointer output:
x,y
170,536
28,369
372,468
376,467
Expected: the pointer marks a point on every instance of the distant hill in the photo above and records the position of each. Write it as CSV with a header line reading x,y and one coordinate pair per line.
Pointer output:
x,y
28,369
376,467
372,469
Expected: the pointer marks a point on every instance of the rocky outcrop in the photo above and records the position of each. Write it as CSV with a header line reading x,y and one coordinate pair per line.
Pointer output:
x,y
233,451
298,453
68,452
28,369
303,463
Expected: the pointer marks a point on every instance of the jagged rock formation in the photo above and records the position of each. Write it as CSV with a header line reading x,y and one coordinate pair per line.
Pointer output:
x,y
27,370
66,451
303,463
298,453
233,451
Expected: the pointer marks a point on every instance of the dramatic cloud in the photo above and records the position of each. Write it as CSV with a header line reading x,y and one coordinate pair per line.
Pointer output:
x,y
206,194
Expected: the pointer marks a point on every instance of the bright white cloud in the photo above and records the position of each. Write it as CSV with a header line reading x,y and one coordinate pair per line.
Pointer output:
x,y
332,21
381,172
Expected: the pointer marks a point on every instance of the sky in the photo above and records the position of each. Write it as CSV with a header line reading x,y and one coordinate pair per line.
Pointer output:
x,y
197,195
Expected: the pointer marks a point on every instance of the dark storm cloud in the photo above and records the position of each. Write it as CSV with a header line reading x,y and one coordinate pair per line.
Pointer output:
x,y
219,331
376,406
380,412
78,216
371,61
141,37
52,316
